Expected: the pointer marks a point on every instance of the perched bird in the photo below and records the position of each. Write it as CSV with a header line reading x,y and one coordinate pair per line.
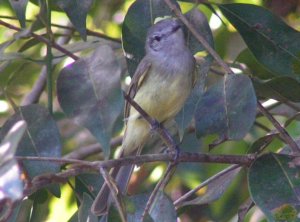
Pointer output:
x,y
161,84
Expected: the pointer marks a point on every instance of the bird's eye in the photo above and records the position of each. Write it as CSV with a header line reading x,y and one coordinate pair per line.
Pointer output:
x,y
157,38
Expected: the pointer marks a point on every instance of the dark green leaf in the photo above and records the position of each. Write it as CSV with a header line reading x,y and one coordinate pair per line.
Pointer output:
x,y
257,69
215,188
281,88
199,21
140,16
89,91
262,142
163,209
228,108
20,8
88,183
41,138
274,183
273,43
85,213
77,12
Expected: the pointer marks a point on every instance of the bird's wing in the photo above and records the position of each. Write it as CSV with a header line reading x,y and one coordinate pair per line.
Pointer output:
x,y
137,80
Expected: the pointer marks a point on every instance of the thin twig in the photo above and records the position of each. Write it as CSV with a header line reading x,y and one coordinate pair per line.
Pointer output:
x,y
92,149
34,95
88,31
159,128
283,133
183,198
49,59
183,157
159,187
58,160
114,192
80,166
42,39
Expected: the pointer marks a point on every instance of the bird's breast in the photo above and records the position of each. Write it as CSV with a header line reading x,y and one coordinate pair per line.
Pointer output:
x,y
163,92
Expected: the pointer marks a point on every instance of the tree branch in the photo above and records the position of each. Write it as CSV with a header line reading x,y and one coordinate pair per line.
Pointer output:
x,y
42,39
86,151
159,128
283,133
81,166
160,186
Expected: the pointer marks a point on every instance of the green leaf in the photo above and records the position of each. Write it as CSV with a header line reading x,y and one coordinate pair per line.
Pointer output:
x,y
281,88
139,18
256,69
274,183
85,213
273,43
199,21
20,8
89,91
77,12
88,183
262,142
11,186
163,208
228,108
41,139
215,188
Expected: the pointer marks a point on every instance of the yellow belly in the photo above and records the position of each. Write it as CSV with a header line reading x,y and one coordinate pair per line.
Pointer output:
x,y
162,99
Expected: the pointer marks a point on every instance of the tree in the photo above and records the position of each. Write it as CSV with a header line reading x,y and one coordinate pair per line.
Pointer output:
x,y
242,112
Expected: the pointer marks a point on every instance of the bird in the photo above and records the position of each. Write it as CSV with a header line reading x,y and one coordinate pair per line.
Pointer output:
x,y
162,82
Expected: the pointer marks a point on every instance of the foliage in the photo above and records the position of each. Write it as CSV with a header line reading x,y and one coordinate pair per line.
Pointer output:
x,y
61,111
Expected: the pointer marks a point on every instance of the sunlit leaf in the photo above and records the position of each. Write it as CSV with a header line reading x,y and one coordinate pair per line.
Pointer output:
x,y
20,8
11,185
228,108
85,213
140,16
10,142
41,139
77,12
273,43
274,183
89,91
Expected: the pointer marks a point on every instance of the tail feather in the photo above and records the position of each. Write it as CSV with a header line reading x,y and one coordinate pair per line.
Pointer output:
x,y
103,200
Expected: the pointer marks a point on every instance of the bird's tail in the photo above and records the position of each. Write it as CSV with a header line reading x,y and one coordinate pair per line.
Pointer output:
x,y
122,176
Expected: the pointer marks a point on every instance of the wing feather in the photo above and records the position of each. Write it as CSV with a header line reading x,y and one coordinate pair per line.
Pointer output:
x,y
137,80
